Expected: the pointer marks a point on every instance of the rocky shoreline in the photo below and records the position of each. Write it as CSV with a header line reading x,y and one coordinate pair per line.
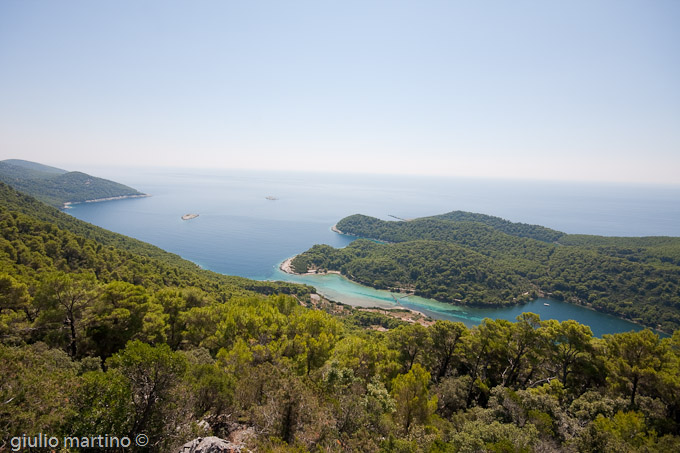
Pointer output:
x,y
68,204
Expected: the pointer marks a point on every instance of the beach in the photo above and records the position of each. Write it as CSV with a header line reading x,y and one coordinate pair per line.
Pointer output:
x,y
287,267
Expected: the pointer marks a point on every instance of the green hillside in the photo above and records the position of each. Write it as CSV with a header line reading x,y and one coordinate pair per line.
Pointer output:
x,y
537,232
35,167
473,259
104,335
56,187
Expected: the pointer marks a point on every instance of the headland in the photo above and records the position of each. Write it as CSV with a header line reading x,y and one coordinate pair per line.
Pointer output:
x,y
287,267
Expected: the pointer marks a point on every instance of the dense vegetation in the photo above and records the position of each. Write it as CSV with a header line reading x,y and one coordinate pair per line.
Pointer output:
x,y
98,338
474,259
515,229
55,186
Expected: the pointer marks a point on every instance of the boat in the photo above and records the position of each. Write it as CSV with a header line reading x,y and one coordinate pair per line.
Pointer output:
x,y
189,216
272,198
546,304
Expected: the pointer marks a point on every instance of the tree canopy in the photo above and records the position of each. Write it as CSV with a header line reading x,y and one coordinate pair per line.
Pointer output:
x,y
97,338
473,259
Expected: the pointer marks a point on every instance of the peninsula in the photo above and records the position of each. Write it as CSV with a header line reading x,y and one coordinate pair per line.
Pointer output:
x,y
61,188
473,259
288,268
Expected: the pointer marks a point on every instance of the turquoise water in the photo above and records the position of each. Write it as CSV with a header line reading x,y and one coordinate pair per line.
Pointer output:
x,y
336,287
240,232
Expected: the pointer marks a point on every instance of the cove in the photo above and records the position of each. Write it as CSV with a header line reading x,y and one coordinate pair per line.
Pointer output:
x,y
242,232
340,289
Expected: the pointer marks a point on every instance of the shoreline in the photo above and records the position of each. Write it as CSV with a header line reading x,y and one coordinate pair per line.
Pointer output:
x,y
67,204
541,294
286,267
335,229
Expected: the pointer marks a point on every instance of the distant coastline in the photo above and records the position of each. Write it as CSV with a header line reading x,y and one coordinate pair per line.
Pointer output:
x,y
68,204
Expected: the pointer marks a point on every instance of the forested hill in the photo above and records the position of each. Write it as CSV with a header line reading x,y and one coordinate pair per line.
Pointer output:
x,y
38,242
55,186
15,201
524,230
104,335
431,227
475,259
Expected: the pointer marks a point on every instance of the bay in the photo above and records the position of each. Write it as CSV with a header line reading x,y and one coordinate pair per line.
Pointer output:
x,y
337,287
240,231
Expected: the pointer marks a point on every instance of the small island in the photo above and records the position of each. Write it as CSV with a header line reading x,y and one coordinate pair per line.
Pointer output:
x,y
189,216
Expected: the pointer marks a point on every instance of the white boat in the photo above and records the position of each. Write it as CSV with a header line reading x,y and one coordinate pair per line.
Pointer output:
x,y
189,216
546,304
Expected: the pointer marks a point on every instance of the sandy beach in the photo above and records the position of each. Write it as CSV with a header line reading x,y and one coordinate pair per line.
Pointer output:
x,y
287,267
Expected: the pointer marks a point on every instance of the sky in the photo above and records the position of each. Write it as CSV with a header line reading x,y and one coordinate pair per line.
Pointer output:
x,y
585,90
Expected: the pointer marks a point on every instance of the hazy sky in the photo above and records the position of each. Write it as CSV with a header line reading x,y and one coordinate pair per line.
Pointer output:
x,y
574,90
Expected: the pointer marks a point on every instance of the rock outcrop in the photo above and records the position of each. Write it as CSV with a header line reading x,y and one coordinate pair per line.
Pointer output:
x,y
210,445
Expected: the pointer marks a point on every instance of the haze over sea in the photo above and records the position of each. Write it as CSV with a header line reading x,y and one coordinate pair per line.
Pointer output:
x,y
241,232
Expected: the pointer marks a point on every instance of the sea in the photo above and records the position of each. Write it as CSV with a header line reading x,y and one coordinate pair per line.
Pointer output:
x,y
250,221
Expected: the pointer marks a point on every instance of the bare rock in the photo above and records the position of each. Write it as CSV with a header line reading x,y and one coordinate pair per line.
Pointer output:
x,y
210,445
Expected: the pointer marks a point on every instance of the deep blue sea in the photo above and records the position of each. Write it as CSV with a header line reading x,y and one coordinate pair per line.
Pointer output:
x,y
241,232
